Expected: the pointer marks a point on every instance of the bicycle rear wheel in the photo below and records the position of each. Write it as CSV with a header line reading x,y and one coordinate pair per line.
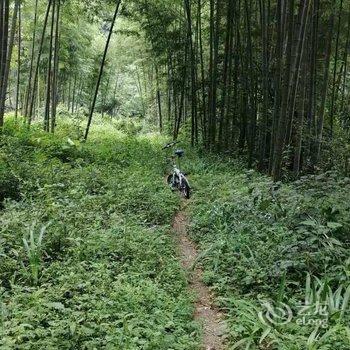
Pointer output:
x,y
185,188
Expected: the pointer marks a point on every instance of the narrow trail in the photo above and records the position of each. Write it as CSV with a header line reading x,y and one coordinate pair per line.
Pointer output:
x,y
205,311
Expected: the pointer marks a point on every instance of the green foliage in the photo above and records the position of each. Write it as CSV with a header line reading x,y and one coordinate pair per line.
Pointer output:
x,y
105,273
33,249
255,234
9,184
128,127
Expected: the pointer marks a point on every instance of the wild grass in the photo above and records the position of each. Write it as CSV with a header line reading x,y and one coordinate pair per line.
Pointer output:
x,y
262,243
34,250
104,273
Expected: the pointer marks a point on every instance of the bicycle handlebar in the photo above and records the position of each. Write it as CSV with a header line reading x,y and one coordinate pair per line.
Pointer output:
x,y
170,144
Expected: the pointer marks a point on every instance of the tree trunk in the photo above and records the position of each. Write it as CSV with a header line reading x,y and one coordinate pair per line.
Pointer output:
x,y
226,77
265,71
201,57
49,72
324,91
36,73
7,57
312,101
194,130
334,85
101,71
213,69
299,50
29,90
19,33
159,102
345,60
55,70
283,118
278,81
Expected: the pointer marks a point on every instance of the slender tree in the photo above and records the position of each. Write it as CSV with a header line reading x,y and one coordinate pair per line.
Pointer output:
x,y
19,48
101,71
7,55
55,69
324,91
29,85
36,72
49,81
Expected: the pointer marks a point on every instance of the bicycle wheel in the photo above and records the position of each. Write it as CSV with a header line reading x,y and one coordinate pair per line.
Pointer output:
x,y
169,180
173,181
185,188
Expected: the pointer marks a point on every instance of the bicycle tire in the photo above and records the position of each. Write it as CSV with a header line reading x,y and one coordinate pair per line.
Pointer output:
x,y
169,179
185,189
173,184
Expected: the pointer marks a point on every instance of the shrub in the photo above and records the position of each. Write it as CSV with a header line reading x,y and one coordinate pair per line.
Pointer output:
x,y
9,184
256,236
105,273
128,127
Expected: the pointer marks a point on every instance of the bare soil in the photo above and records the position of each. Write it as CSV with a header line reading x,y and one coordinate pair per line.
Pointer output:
x,y
205,311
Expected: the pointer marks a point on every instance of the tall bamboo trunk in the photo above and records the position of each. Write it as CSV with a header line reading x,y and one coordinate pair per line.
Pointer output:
x,y
299,50
101,71
265,71
320,122
226,77
49,72
194,130
202,74
334,85
8,55
312,101
19,48
55,70
36,73
283,118
29,90
345,60
278,81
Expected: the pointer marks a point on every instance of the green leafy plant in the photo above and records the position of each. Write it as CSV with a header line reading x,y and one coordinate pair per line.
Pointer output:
x,y
106,274
34,251
273,232
320,293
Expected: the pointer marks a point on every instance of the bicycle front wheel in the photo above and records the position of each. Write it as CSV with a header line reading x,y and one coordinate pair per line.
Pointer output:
x,y
173,181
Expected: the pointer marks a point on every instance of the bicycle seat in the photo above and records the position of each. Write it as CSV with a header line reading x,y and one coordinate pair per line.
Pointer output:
x,y
180,152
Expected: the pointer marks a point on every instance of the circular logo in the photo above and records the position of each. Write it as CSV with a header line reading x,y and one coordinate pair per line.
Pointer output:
x,y
275,314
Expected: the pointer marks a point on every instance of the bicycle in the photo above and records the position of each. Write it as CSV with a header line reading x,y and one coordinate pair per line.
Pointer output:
x,y
177,179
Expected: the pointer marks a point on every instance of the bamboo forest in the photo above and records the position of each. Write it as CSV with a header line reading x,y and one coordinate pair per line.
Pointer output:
x,y
175,175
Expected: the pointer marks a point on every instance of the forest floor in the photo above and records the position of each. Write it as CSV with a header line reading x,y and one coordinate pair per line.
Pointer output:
x,y
88,259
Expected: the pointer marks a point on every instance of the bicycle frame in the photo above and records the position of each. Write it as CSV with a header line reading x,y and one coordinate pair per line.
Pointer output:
x,y
177,179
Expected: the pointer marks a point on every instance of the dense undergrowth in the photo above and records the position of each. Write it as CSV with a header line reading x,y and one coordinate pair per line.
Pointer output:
x,y
86,259
277,255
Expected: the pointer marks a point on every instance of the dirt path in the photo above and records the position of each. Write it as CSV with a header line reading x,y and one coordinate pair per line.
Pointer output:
x,y
206,313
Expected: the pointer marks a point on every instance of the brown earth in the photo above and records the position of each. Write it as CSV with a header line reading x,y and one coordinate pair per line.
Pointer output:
x,y
205,311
